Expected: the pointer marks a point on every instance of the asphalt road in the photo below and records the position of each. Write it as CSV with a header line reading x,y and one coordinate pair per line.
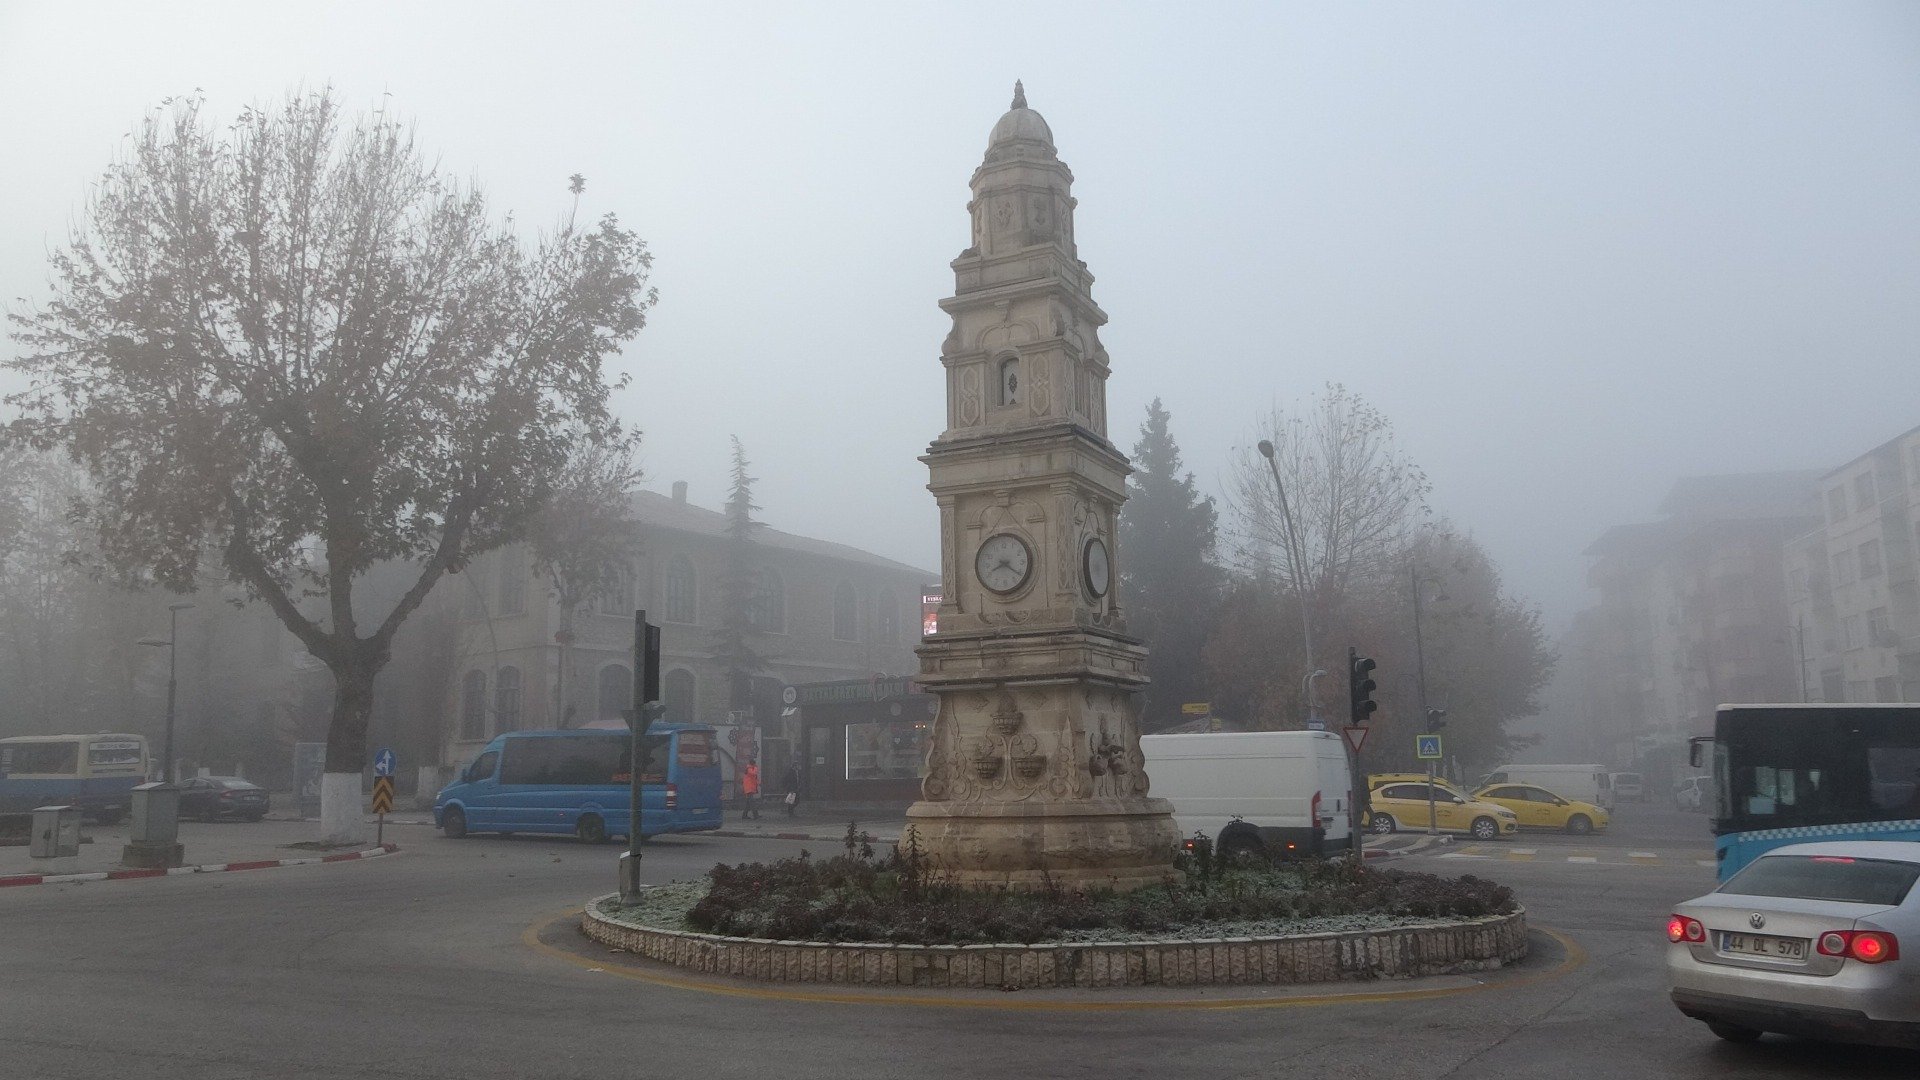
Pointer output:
x,y
414,966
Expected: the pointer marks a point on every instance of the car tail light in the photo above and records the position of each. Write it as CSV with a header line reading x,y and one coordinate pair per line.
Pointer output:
x,y
1866,946
226,794
1680,928
673,796
1315,810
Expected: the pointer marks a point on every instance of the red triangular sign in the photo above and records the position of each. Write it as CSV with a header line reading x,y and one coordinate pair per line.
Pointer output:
x,y
1356,737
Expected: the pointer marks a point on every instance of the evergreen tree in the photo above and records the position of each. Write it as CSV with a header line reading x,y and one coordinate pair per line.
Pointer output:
x,y
740,617
1171,586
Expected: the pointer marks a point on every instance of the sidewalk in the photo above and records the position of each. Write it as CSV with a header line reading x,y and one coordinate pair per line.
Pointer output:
x,y
213,843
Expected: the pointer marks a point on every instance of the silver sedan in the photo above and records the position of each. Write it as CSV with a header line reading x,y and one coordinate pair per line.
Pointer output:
x,y
1806,940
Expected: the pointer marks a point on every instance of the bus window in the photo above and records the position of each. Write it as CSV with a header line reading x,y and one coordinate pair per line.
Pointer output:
x,y
695,750
1895,775
50,758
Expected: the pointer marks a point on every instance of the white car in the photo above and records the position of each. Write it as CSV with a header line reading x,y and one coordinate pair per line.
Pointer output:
x,y
1695,794
1815,940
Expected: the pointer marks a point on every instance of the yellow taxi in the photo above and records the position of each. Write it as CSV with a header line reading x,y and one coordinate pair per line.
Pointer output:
x,y
1538,808
1398,803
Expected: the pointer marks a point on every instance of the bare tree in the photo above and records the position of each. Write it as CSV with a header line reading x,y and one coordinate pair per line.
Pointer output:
x,y
1354,496
297,337
585,539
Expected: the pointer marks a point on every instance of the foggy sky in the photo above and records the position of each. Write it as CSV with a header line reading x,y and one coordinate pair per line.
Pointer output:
x,y
1575,252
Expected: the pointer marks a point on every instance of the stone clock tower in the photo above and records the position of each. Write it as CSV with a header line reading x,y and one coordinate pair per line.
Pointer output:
x,y
1035,772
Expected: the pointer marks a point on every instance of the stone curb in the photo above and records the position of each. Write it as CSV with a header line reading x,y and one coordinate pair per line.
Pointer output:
x,y
206,868
816,837
1397,952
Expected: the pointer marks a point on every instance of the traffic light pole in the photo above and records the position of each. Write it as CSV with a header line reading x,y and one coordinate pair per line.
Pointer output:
x,y
646,698
1420,677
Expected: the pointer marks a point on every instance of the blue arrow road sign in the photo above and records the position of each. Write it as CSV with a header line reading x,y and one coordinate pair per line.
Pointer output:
x,y
1426,747
383,762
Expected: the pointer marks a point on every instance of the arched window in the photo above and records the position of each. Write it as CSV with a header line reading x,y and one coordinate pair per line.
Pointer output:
x,y
1009,378
767,607
888,624
616,692
677,695
473,705
616,595
681,599
846,617
506,700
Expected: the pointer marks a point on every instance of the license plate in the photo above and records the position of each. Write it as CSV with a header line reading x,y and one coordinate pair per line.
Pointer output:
x,y
1779,948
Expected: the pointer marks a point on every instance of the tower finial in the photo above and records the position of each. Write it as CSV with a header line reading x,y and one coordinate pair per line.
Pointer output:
x,y
1019,95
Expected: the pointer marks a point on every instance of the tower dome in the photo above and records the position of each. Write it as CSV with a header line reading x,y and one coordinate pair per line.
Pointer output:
x,y
1019,124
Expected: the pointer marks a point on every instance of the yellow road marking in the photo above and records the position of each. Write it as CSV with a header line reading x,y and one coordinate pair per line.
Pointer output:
x,y
1575,956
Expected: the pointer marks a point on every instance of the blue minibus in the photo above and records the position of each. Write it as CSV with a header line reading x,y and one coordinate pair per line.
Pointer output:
x,y
578,782
95,772
1789,774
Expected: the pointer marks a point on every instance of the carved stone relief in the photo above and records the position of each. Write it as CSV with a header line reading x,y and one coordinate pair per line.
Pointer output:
x,y
970,395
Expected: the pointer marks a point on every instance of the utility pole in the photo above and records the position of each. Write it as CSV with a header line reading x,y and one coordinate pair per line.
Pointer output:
x,y
173,668
1420,680
646,703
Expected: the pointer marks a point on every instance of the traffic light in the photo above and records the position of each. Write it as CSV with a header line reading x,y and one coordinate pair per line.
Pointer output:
x,y
1436,719
1361,685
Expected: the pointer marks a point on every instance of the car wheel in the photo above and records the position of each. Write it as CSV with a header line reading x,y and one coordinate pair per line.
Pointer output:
x,y
1382,824
454,823
1485,828
1579,825
591,830
1733,1033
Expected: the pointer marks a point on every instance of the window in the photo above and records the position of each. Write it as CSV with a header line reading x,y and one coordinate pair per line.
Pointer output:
x,y
512,597
473,705
567,761
845,617
484,766
506,699
1812,877
44,758
616,595
120,756
677,696
1886,689
1853,633
1845,568
1870,565
1416,792
680,599
892,750
887,625
1836,503
616,692
1880,632
1864,495
767,607
1542,795
1009,380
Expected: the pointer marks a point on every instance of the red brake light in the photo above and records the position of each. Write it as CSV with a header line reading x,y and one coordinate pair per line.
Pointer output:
x,y
1866,946
1832,858
1680,928
673,796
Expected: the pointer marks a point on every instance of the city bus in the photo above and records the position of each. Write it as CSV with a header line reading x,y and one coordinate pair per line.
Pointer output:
x,y
94,772
1788,774
579,782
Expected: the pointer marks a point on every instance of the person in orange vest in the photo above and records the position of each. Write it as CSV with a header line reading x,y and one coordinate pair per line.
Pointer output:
x,y
750,790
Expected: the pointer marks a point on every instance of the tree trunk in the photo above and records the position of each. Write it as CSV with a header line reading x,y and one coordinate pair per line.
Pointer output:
x,y
342,802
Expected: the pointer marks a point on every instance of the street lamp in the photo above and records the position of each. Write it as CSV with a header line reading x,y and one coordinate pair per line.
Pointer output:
x,y
1295,557
173,633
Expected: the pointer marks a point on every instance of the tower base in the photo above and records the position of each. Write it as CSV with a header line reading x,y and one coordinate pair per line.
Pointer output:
x,y
1115,843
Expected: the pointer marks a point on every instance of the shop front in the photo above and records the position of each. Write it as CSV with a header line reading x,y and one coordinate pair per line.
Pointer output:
x,y
865,740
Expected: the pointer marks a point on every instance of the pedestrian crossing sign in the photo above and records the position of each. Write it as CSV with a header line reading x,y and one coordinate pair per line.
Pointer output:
x,y
1426,747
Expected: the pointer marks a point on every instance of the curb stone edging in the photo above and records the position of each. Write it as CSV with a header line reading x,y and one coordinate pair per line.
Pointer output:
x,y
205,868
1393,953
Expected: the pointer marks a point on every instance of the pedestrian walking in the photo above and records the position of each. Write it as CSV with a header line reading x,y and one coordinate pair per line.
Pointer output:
x,y
793,787
750,791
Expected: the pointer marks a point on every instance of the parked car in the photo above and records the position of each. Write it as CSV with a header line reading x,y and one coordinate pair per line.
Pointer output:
x,y
1538,808
211,797
1629,785
1695,793
1806,941
1404,805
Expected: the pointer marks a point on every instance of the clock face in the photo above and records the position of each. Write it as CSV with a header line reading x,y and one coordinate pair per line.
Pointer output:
x,y
1097,568
1003,563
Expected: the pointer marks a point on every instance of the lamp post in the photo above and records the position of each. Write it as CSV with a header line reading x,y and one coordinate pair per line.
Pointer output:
x,y
173,634
1295,570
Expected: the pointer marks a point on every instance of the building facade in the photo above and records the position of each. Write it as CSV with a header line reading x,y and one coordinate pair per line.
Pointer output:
x,y
822,611
1853,579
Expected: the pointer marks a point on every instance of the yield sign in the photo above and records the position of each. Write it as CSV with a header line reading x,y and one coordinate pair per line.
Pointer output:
x,y
1356,737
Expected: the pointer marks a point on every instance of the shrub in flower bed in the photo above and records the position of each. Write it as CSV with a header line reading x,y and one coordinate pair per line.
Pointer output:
x,y
898,898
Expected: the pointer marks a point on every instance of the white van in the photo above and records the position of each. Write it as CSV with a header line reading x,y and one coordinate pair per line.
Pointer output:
x,y
1279,792
1585,783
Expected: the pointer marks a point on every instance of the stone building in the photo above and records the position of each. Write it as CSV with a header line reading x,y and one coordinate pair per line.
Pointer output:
x,y
1852,579
824,611
1692,613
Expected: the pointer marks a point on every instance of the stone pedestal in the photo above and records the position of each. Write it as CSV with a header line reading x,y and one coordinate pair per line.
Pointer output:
x,y
1111,843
